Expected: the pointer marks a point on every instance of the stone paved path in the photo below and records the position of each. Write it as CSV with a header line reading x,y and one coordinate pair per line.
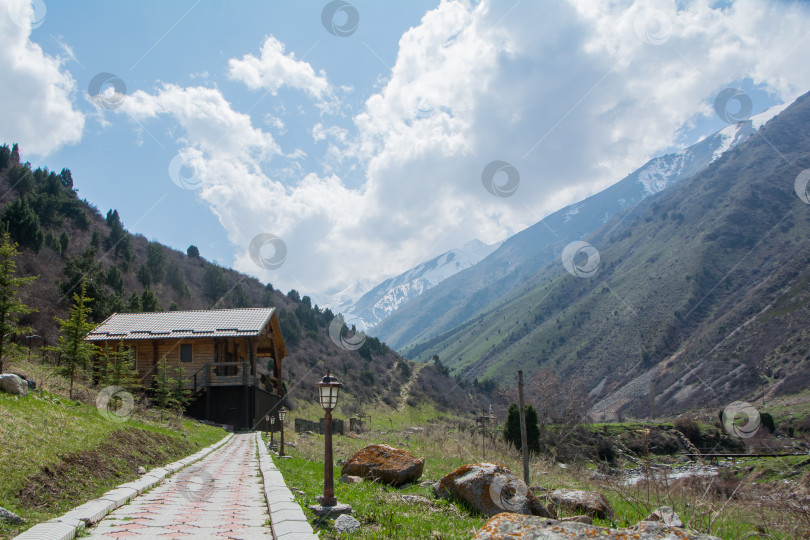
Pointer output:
x,y
220,496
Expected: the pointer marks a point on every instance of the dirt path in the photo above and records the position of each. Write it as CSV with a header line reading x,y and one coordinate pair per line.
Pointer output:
x,y
405,392
220,496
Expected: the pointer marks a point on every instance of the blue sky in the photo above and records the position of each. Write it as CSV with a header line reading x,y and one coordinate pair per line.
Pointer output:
x,y
362,153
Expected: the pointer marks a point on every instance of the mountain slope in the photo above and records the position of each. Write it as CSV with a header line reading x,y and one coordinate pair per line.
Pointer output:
x,y
384,299
701,296
463,295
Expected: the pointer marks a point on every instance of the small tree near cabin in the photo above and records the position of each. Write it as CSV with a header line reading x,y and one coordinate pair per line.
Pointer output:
x,y
169,391
75,351
11,307
118,369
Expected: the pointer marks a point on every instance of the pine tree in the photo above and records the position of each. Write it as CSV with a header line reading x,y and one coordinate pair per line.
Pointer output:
x,y
11,307
149,301
118,368
193,252
170,392
511,431
215,285
23,224
156,261
75,351
144,275
64,240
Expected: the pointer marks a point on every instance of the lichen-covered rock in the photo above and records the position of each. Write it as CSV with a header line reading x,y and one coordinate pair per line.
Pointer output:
x,y
515,526
489,488
592,503
385,463
13,384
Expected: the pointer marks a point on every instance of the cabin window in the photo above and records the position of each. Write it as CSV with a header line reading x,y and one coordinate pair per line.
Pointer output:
x,y
185,353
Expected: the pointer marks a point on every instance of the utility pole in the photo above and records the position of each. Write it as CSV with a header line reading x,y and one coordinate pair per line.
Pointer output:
x,y
523,443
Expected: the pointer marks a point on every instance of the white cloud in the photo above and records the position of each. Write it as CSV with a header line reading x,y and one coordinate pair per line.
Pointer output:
x,y
36,93
275,69
568,93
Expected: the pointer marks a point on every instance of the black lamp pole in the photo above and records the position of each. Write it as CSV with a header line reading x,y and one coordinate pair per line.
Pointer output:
x,y
282,415
328,390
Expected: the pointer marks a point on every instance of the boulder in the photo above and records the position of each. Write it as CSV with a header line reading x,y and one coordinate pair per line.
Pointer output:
x,y
385,463
10,517
490,488
13,384
32,385
592,503
346,523
515,526
665,515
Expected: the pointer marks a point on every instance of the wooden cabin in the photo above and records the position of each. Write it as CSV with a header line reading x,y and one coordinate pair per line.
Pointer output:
x,y
231,358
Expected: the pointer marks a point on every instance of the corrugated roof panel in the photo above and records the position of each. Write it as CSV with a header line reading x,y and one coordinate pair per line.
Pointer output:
x,y
183,324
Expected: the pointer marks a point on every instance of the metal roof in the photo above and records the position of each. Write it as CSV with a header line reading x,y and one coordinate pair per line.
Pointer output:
x,y
183,324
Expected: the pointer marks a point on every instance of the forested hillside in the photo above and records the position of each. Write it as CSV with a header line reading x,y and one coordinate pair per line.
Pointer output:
x,y
66,240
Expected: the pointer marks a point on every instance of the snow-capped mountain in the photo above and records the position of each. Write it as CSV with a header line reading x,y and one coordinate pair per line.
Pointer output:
x,y
378,303
459,297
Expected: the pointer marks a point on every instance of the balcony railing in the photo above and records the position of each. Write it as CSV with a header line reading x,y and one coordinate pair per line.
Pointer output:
x,y
221,374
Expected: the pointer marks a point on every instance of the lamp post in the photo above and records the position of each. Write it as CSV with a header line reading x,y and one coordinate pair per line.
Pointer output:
x,y
328,390
272,423
282,415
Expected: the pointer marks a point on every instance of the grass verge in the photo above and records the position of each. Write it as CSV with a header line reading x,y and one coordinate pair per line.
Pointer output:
x,y
56,454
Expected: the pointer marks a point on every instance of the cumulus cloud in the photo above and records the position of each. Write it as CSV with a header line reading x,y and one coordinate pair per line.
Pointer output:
x,y
36,92
574,95
274,69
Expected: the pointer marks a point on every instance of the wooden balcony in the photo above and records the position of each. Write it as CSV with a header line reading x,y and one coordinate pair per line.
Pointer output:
x,y
221,374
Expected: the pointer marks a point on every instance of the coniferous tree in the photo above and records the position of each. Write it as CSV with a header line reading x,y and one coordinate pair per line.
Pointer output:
x,y
215,285
193,252
149,301
74,350
115,279
156,261
64,239
144,275
134,303
11,307
175,278
170,392
511,431
23,224
118,368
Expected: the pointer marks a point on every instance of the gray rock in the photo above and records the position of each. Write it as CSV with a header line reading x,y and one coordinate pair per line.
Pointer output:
x,y
592,503
13,384
10,517
330,511
508,526
31,384
346,523
415,499
665,515
489,488
349,479
141,470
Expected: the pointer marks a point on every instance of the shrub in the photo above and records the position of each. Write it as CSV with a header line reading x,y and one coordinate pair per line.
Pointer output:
x,y
689,427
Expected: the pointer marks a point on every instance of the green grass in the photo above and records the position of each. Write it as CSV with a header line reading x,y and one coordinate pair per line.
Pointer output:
x,y
40,431
380,509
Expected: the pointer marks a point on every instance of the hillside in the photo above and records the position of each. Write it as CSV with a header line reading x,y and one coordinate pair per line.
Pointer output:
x,y
64,240
700,297
478,288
